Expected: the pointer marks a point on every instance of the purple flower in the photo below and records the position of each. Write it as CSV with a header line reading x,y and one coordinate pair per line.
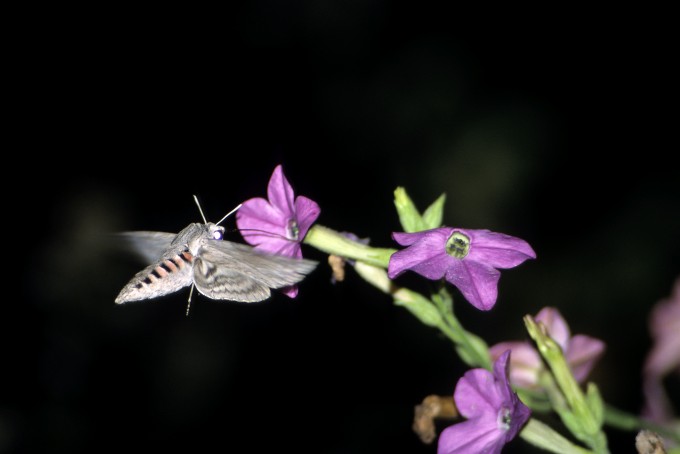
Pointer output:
x,y
664,325
494,412
277,225
467,258
580,351
663,358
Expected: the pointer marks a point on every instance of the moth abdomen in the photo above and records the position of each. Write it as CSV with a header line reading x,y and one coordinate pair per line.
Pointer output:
x,y
170,274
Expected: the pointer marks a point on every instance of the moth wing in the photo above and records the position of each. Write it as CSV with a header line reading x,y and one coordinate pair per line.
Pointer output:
x,y
148,246
171,273
238,272
222,283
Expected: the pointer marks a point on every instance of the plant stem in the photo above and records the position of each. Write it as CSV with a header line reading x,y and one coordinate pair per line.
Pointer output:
x,y
332,242
539,434
620,419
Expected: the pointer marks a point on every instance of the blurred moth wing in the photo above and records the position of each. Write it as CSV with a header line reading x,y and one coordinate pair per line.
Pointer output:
x,y
219,269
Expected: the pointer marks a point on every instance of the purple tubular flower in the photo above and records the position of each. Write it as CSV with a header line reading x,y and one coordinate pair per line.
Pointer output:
x,y
664,325
468,259
580,351
494,412
277,225
663,358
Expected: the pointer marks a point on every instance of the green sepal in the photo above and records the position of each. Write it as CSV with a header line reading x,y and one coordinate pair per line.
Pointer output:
x,y
434,214
409,217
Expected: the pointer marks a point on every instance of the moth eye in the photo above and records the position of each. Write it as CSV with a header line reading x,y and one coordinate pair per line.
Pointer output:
x,y
217,235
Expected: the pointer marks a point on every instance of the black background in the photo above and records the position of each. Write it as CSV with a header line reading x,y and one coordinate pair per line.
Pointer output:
x,y
558,130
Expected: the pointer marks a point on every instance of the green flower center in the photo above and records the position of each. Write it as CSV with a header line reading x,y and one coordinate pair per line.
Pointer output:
x,y
504,419
458,245
292,230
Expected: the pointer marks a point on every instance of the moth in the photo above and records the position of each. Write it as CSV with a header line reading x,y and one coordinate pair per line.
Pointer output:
x,y
200,257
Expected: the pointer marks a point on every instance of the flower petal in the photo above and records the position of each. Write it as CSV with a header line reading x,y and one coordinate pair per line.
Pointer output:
x,y
477,282
664,319
557,327
426,255
519,413
582,354
657,406
260,223
664,326
497,249
280,192
290,292
525,362
432,268
306,212
436,237
664,357
476,394
283,247
471,437
501,367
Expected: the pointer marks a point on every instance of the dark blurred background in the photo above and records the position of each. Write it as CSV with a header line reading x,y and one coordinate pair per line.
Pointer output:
x,y
554,130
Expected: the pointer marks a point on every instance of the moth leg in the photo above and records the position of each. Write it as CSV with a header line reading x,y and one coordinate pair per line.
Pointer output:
x,y
191,292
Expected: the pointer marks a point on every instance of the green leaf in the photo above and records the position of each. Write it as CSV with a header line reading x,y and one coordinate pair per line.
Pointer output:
x,y
574,425
410,218
595,404
433,215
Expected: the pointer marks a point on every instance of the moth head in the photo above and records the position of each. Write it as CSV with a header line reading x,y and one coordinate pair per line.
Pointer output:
x,y
215,231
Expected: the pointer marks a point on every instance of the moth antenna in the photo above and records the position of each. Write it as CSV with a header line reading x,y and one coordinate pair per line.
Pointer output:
x,y
228,214
202,215
189,300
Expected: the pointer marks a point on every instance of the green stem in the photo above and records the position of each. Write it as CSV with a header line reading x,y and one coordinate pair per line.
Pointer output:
x,y
471,348
476,350
451,333
451,327
620,419
417,304
332,242
473,351
539,434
